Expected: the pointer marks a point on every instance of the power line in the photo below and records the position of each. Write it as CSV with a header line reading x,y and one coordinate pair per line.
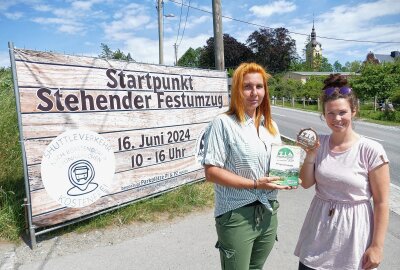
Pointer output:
x,y
180,19
291,32
184,26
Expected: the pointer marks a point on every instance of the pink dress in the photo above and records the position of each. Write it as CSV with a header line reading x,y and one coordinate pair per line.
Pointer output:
x,y
338,227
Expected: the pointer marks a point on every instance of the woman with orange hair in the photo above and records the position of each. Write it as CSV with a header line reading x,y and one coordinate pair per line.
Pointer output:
x,y
236,159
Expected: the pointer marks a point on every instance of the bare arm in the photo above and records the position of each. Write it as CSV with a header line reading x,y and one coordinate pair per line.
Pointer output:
x,y
307,170
226,178
379,179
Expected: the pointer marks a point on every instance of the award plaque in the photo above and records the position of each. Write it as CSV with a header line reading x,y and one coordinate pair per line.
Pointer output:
x,y
285,163
308,138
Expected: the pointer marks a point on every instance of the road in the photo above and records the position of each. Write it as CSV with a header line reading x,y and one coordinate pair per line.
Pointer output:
x,y
180,244
291,121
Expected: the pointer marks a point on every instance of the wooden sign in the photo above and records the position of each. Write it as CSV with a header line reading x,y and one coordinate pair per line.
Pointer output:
x,y
147,119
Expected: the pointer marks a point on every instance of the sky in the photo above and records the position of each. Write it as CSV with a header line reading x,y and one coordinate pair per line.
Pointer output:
x,y
79,27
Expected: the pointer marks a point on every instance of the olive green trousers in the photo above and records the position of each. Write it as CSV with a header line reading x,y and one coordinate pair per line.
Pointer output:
x,y
246,236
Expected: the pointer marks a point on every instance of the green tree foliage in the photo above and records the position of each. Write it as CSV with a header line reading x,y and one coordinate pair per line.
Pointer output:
x,y
191,58
300,65
235,53
273,48
354,66
291,88
286,87
118,54
312,87
337,67
395,96
380,80
323,64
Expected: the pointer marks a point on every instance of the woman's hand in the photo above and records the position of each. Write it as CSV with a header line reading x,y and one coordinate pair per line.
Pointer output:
x,y
310,153
270,182
372,258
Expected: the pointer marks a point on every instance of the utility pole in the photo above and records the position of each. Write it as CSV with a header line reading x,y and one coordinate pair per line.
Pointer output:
x,y
176,54
218,36
160,32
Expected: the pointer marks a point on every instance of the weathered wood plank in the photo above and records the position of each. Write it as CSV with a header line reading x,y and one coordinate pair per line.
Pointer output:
x,y
150,157
120,139
72,60
103,101
51,125
47,211
68,214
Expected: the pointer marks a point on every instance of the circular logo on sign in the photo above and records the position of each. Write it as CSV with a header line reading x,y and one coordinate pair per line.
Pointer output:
x,y
199,154
77,168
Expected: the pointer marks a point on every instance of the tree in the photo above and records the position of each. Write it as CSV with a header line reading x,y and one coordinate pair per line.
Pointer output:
x,y
273,48
312,87
380,80
288,88
300,65
337,67
323,64
118,54
354,66
235,53
191,58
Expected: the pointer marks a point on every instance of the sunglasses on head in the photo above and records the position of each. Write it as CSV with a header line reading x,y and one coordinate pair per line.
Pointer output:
x,y
341,90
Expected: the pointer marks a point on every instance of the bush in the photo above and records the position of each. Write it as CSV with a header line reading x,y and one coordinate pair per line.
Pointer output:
x,y
11,172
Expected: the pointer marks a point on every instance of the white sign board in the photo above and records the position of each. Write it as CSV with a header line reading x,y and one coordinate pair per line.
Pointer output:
x,y
101,133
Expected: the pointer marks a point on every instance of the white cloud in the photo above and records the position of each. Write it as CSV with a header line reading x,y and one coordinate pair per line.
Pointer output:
x,y
277,7
71,29
63,25
42,8
194,21
13,15
126,22
72,19
43,20
82,5
146,50
351,22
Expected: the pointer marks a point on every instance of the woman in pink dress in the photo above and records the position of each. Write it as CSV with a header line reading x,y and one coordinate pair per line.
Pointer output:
x,y
342,230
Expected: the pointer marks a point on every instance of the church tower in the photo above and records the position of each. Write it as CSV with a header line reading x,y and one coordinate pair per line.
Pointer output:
x,y
313,51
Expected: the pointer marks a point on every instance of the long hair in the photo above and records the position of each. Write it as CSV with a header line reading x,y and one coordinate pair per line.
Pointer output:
x,y
236,106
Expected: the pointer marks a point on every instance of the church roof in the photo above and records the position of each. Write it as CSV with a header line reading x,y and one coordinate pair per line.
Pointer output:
x,y
320,73
382,58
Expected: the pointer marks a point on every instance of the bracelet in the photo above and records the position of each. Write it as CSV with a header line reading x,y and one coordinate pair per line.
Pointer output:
x,y
255,184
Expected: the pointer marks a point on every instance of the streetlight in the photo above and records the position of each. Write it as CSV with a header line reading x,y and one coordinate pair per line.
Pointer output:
x,y
160,8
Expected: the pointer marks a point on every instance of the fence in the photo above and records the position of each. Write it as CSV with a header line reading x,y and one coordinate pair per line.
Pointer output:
x,y
371,105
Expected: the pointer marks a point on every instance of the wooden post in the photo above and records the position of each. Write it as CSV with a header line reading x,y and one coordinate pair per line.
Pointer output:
x,y
160,33
218,36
